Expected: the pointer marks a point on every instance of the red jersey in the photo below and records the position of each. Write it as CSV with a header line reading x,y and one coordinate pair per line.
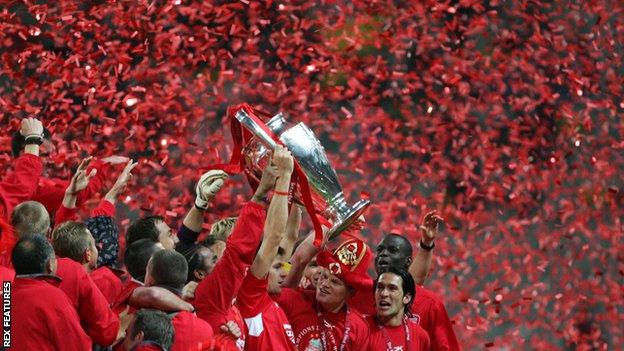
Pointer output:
x,y
314,327
6,274
50,192
108,282
20,185
215,294
267,325
190,331
43,318
428,311
96,317
408,336
123,299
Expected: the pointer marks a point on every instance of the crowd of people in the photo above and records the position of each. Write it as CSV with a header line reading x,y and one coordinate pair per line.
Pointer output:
x,y
253,283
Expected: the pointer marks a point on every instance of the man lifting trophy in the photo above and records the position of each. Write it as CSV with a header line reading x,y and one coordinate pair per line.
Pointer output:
x,y
316,186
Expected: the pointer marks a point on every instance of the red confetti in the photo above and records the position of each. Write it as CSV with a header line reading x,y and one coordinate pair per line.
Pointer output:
x,y
505,117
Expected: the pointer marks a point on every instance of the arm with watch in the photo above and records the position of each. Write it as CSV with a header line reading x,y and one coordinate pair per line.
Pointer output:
x,y
421,264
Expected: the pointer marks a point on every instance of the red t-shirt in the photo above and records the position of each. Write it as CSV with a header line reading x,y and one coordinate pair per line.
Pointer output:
x,y
123,299
98,320
379,337
215,294
43,318
21,184
428,311
267,325
108,282
310,325
190,332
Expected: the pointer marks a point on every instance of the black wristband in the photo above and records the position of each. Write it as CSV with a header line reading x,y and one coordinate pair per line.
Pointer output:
x,y
199,208
425,247
33,139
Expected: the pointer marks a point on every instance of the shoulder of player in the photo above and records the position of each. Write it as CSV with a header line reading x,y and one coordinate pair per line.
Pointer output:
x,y
423,294
359,320
419,332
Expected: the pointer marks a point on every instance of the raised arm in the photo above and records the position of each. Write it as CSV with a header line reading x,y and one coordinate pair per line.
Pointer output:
x,y
21,185
422,261
292,231
277,215
78,183
207,187
303,255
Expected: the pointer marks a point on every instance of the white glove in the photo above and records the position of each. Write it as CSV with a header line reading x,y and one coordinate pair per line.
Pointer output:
x,y
209,184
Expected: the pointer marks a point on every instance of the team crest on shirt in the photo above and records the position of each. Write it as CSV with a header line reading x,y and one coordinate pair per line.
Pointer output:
x,y
397,348
314,345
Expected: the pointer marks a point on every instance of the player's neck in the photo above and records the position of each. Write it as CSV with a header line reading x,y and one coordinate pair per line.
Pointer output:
x,y
393,321
334,308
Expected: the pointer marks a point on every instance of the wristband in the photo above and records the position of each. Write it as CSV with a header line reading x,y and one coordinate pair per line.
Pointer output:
x,y
201,209
33,139
285,193
425,247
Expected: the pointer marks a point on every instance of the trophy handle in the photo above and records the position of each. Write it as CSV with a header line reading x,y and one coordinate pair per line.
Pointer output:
x,y
255,129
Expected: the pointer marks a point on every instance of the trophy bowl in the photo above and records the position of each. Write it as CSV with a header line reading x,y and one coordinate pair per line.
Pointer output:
x,y
326,192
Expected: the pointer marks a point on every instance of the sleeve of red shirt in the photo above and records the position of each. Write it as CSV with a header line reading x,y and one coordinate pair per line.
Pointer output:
x,y
20,185
96,183
444,335
252,296
65,214
99,321
289,299
214,294
105,208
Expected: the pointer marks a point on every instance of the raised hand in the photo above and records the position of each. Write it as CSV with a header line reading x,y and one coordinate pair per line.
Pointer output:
x,y
121,182
267,182
282,159
429,227
31,127
208,186
80,180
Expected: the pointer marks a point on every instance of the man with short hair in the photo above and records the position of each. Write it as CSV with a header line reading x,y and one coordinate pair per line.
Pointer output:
x,y
134,293
149,330
215,294
154,228
38,324
428,310
267,325
30,217
73,240
96,317
391,329
168,269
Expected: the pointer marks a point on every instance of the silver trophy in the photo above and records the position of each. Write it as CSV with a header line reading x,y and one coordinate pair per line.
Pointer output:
x,y
327,195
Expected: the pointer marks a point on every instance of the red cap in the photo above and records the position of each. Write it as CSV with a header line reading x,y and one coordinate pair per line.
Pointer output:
x,y
349,262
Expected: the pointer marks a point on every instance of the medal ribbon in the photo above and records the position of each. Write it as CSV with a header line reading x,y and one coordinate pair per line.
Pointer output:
x,y
389,346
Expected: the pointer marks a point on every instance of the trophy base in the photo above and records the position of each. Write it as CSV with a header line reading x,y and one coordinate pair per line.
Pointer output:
x,y
354,213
